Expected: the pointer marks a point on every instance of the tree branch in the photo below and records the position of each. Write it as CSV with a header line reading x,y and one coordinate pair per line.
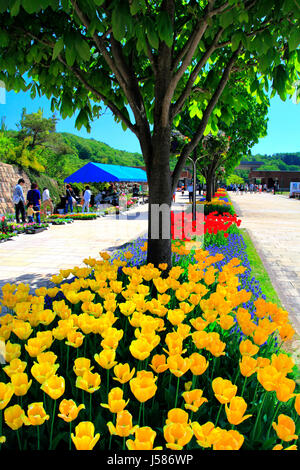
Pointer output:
x,y
100,95
176,108
206,115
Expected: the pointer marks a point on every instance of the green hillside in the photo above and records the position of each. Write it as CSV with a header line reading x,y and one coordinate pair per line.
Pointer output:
x,y
277,161
94,151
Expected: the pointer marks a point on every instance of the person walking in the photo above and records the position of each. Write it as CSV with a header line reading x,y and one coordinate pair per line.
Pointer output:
x,y
69,198
86,199
19,201
34,198
47,201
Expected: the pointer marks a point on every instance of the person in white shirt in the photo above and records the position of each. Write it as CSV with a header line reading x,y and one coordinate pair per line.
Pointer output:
x,y
86,199
47,201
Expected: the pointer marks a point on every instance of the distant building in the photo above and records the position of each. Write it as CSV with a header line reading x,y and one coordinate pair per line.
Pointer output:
x,y
283,178
244,165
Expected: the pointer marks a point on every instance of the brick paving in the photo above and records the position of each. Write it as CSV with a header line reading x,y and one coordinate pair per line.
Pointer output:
x,y
33,259
273,223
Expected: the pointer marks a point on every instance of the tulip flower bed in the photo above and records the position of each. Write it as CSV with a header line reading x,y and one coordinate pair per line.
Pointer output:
x,y
78,216
123,357
213,228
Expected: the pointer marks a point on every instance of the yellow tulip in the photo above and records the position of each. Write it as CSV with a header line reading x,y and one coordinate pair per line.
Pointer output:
x,y
36,415
106,358
47,356
69,410
89,382
285,428
21,329
297,404
122,373
223,389
16,366
193,399
235,412
177,435
247,348
12,351
178,365
123,425
54,386
228,440
144,439
158,363
177,415
75,338
282,363
198,364
285,389
143,386
6,392
248,366
14,417
116,403
35,346
82,364
20,383
140,349
42,372
205,434
85,438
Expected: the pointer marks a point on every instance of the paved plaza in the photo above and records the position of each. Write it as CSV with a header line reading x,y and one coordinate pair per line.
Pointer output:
x,y
35,258
273,223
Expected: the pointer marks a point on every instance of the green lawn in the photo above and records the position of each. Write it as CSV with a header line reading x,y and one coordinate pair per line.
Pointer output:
x,y
259,271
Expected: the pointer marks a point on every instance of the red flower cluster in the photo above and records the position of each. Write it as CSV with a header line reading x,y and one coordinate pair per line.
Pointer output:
x,y
184,228
215,222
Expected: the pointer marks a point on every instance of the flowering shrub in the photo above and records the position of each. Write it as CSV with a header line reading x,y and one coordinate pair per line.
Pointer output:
x,y
130,358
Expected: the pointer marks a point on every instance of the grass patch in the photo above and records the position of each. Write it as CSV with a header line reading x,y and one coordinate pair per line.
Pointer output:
x,y
259,271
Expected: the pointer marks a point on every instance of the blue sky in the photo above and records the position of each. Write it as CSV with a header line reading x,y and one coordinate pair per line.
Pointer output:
x,y
283,126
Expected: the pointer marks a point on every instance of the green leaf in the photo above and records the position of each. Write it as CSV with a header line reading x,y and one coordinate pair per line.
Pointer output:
x,y
120,18
226,19
99,2
165,29
31,6
15,8
138,5
83,49
70,55
152,36
235,41
59,45
294,39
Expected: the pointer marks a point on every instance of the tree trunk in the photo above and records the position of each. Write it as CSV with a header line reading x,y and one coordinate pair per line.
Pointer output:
x,y
209,186
160,200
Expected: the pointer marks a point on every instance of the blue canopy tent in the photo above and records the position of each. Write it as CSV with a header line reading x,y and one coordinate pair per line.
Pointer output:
x,y
104,173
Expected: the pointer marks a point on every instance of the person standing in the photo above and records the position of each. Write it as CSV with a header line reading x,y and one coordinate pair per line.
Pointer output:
x,y
47,201
86,199
19,201
190,190
34,198
69,198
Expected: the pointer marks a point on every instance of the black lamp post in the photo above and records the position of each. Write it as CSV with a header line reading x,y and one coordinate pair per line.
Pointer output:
x,y
194,160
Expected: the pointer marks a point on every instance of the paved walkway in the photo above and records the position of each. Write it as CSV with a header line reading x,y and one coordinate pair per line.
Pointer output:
x,y
33,259
273,222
